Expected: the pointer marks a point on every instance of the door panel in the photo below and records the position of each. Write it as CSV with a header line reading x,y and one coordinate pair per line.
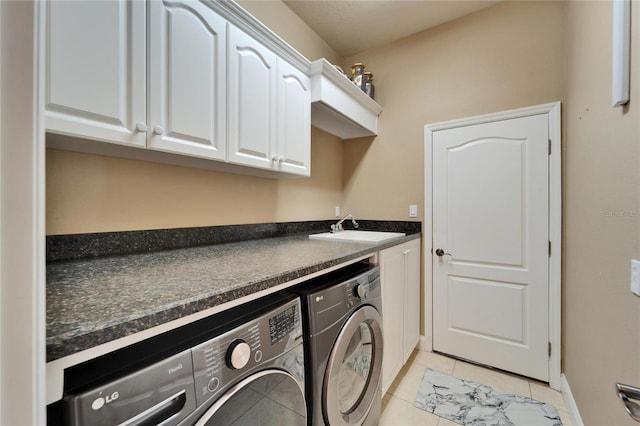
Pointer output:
x,y
187,80
411,297
497,214
391,280
252,101
479,307
490,215
294,120
95,71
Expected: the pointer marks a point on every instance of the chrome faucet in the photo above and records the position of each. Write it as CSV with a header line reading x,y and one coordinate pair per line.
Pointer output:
x,y
338,226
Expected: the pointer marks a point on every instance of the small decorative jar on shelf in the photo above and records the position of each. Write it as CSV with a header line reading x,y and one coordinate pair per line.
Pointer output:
x,y
369,88
357,71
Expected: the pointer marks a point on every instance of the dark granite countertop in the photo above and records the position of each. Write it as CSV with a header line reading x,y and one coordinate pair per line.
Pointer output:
x,y
97,300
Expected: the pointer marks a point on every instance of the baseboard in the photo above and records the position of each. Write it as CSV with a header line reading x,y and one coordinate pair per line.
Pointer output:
x,y
571,403
425,344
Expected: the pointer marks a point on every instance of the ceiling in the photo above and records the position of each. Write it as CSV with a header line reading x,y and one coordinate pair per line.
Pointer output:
x,y
352,26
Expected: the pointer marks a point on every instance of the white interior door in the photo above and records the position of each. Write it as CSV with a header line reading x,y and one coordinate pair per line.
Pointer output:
x,y
491,219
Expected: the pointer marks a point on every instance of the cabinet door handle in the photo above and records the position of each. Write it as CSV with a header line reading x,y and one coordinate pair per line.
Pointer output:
x,y
406,251
281,159
158,130
141,127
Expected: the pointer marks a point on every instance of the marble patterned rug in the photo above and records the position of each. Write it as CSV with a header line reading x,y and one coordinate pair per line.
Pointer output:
x,y
469,403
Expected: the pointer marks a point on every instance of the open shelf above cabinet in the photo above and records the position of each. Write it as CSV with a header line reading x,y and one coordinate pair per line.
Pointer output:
x,y
338,106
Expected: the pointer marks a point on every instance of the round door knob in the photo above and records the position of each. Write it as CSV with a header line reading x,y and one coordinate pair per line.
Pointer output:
x,y
360,291
158,130
141,127
238,354
440,252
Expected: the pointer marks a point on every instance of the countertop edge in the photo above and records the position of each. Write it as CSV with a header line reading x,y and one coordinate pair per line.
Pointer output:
x,y
66,345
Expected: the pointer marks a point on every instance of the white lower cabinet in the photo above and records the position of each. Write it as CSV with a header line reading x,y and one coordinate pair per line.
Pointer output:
x,y
400,281
215,91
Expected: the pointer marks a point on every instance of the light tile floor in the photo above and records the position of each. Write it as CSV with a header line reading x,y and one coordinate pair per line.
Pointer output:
x,y
397,404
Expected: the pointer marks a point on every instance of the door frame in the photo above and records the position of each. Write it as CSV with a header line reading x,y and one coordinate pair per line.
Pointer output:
x,y
553,112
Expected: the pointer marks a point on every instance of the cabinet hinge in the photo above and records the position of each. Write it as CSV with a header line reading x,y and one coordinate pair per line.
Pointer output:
x,y
549,349
549,146
549,248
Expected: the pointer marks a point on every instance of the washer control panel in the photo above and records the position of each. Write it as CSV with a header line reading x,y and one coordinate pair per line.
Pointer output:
x,y
223,359
283,323
363,287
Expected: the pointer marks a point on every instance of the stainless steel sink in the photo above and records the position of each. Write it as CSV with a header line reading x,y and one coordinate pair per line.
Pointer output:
x,y
357,236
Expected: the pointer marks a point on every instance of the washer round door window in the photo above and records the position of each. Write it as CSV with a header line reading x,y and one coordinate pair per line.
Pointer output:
x,y
353,371
268,398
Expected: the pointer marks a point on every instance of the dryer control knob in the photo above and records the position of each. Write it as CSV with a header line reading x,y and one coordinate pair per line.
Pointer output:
x,y
360,291
238,354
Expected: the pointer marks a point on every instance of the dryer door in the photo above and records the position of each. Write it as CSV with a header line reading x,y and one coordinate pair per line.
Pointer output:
x,y
269,397
353,371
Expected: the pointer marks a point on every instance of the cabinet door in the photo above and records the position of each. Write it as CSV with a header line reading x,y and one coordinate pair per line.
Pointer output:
x,y
412,297
95,74
294,120
252,101
187,79
392,284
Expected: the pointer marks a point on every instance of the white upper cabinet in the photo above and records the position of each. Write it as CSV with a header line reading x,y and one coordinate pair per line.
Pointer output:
x,y
187,79
338,106
252,101
294,120
220,85
95,74
269,108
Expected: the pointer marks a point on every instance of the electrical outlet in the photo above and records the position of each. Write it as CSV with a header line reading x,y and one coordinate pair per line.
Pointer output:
x,y
337,211
413,210
635,277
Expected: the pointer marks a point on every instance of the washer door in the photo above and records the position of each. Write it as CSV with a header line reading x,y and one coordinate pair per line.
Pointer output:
x,y
269,398
354,368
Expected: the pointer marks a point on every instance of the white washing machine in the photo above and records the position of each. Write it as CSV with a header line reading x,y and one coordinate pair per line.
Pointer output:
x,y
241,367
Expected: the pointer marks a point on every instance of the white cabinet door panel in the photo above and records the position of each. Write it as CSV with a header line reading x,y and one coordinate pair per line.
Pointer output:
x,y
412,297
95,73
391,279
294,120
252,101
400,283
187,76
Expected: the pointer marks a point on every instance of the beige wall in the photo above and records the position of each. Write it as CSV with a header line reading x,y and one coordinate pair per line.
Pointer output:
x,y
601,175
281,20
512,55
89,193
503,57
